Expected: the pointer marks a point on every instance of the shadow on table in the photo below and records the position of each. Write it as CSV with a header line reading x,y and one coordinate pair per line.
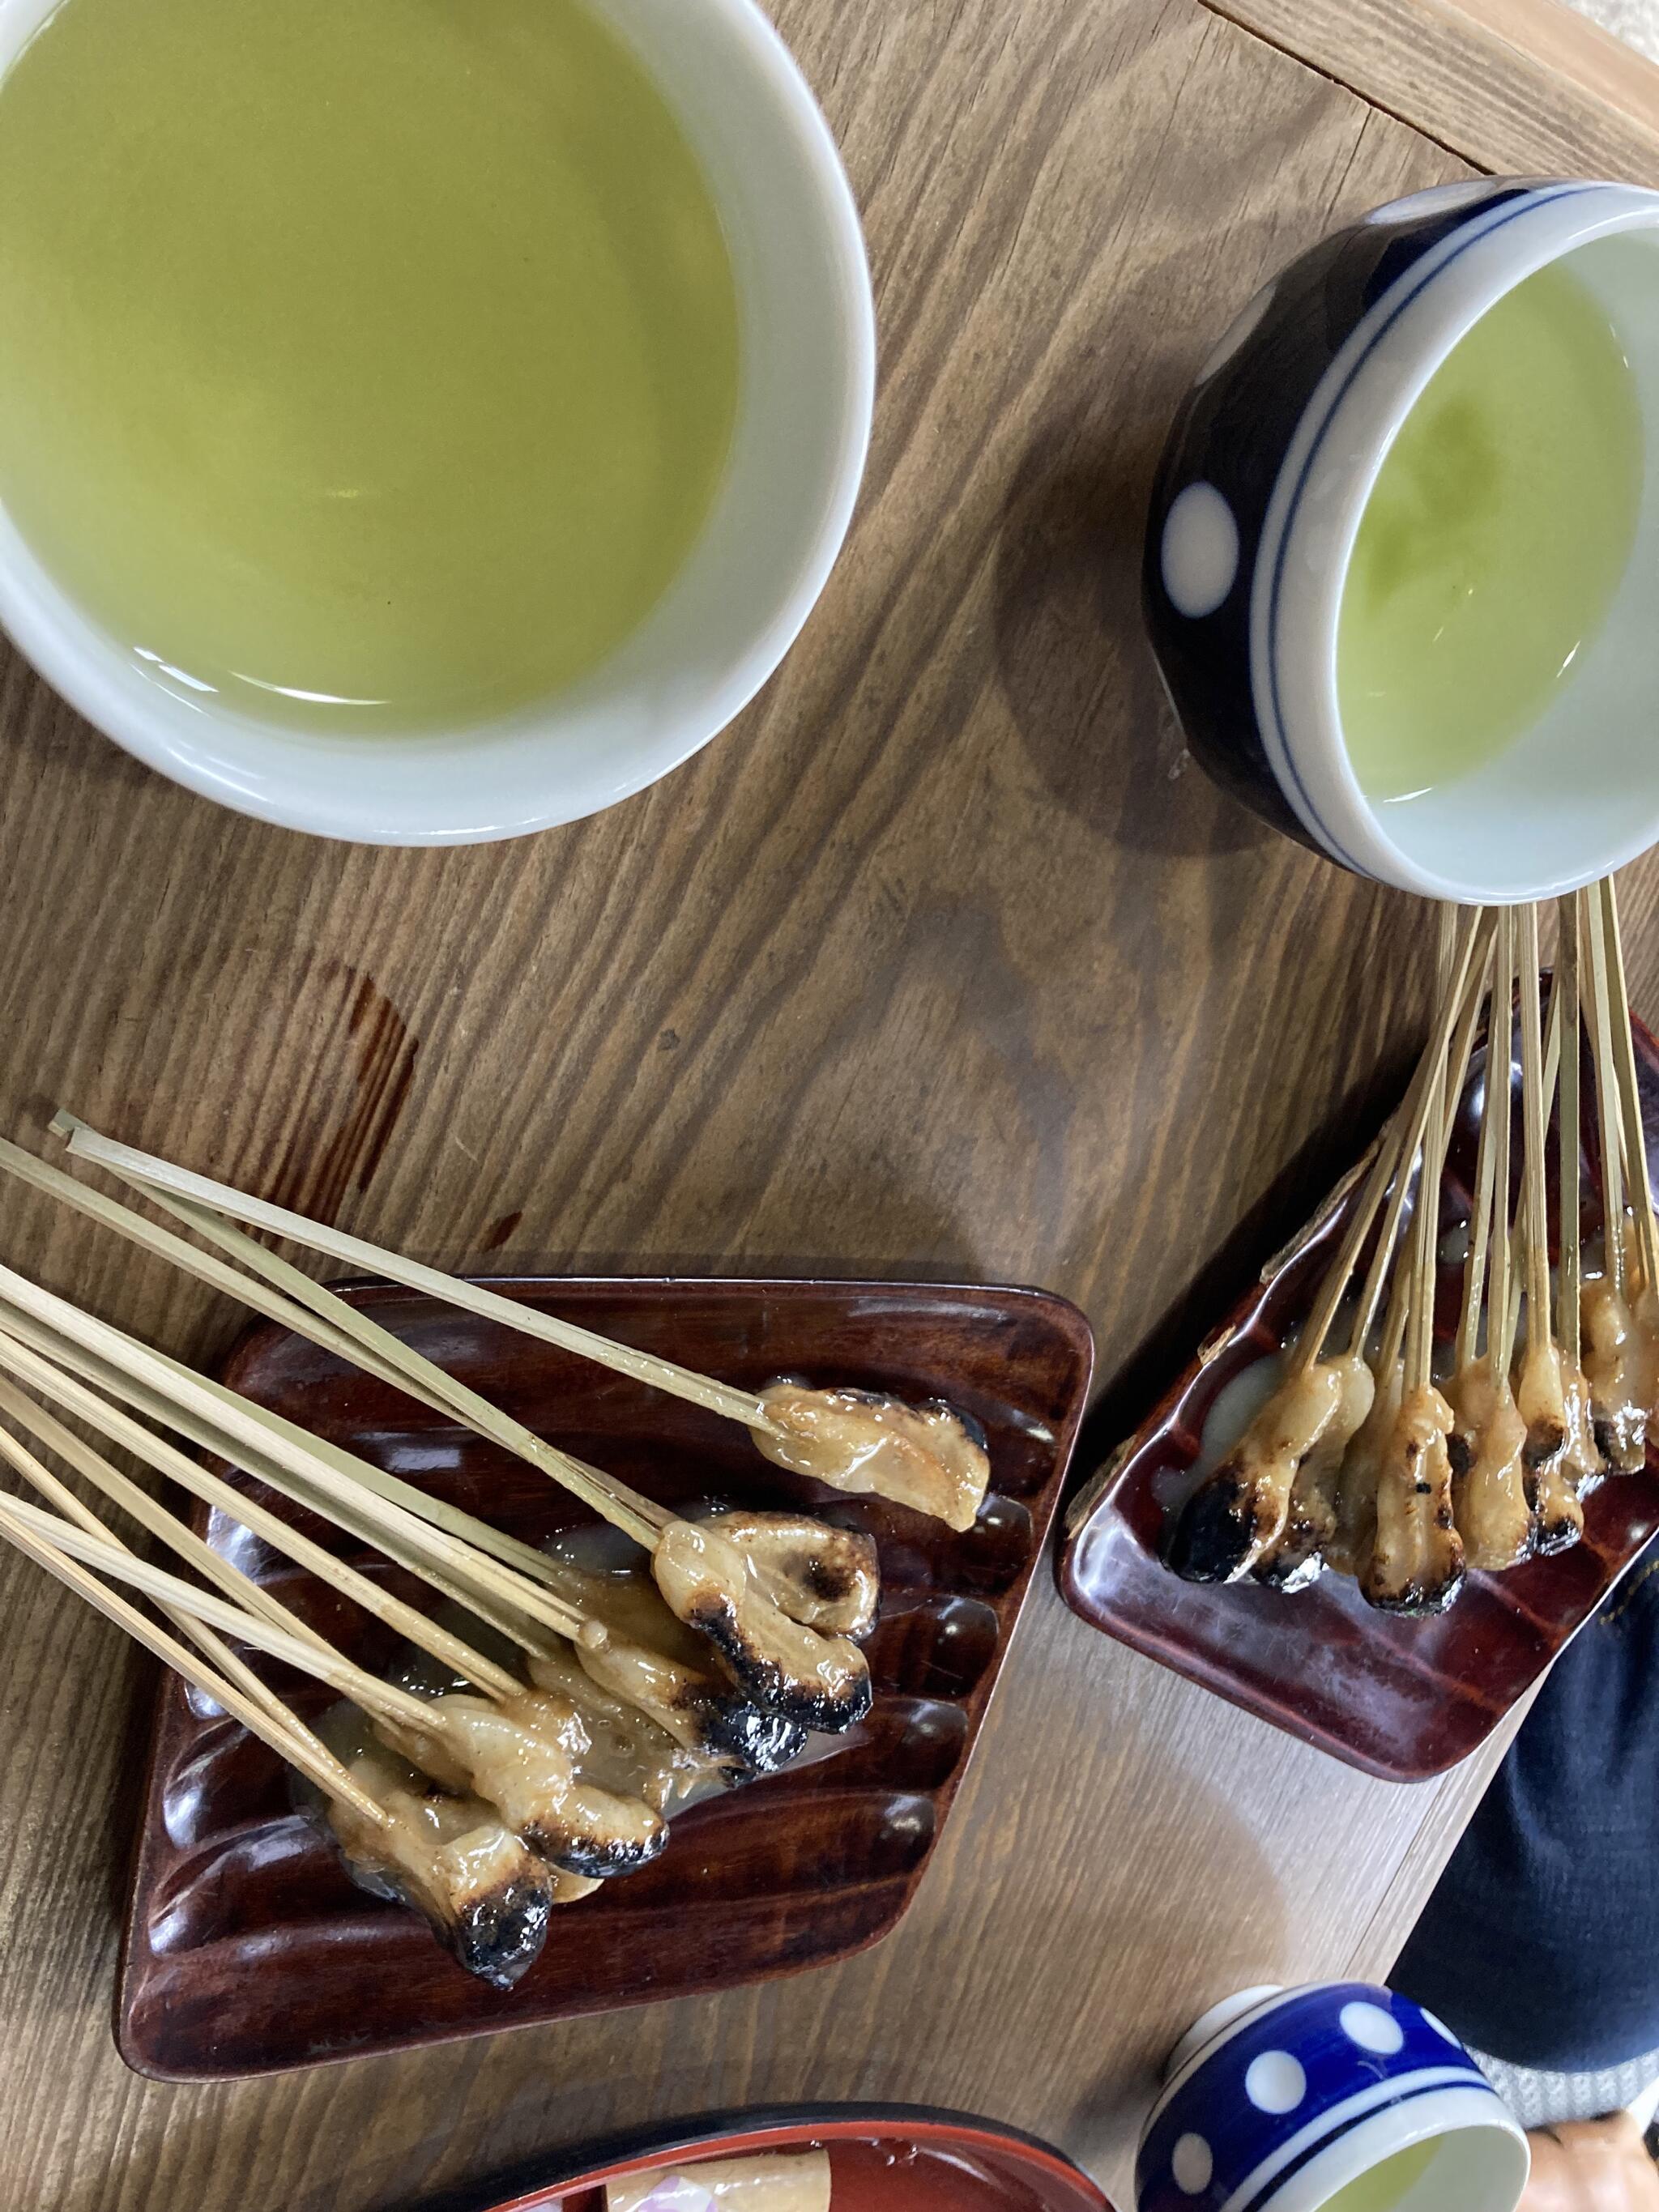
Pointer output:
x,y
1076,665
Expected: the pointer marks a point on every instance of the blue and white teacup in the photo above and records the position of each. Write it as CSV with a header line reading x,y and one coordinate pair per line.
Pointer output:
x,y
1258,503
1339,2096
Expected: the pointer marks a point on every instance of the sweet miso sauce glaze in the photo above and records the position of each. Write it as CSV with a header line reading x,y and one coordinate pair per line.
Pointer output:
x,y
1493,542
370,366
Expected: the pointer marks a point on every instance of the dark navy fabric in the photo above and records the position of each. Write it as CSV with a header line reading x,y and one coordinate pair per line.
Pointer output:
x,y
1542,1943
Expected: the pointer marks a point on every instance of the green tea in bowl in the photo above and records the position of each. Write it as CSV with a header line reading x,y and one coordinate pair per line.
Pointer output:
x,y
420,420
371,365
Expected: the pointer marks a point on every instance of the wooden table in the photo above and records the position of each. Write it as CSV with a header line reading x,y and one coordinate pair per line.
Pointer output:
x,y
941,961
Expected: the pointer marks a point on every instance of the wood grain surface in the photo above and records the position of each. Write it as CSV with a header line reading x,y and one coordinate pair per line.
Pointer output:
x,y
940,961
1524,88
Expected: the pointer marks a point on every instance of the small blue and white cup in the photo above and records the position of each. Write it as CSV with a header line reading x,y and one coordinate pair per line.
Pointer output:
x,y
1338,2095
1258,503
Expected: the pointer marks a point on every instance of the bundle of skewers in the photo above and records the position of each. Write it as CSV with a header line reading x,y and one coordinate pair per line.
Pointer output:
x,y
557,1709
1405,1460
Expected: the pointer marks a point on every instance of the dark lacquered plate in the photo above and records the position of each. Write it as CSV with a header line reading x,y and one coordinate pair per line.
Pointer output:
x,y
1403,1700
882,2157
247,1948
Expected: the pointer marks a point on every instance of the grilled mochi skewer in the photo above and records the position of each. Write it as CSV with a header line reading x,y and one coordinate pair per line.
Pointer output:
x,y
1644,1317
632,1754
824,1577
1355,1534
478,1888
1488,1436
633,1646
1239,1512
526,1757
485,1898
760,1618
930,1456
1314,1534
1558,1518
1416,1563
1299,1556
1351,1540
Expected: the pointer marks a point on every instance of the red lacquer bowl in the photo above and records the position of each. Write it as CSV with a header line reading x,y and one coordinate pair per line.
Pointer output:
x,y
882,2157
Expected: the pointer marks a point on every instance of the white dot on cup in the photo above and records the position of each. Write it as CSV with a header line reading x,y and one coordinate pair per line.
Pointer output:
x,y
1200,551
1372,2028
1275,2082
1192,2165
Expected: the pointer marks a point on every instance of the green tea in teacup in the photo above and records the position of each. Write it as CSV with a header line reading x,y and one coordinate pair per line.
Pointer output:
x,y
1494,540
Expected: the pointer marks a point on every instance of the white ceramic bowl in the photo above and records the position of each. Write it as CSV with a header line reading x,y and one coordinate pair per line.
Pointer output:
x,y
808,326
1258,505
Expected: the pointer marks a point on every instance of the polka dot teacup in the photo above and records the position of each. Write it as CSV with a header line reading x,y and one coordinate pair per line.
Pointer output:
x,y
1338,2095
1257,509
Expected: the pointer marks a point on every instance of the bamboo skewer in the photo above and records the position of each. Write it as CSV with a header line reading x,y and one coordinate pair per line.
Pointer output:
x,y
149,1512
1394,1323
265,1447
1635,1137
315,1311
406,1619
381,1699
216,1652
1426,1222
478,1534
40,1175
1495,1099
1610,1134
286,1295
1518,1260
293,1744
1500,1062
659,1374
1534,1118
1381,1260
1569,1198
509,1552
467,1586
1396,1154
463,1558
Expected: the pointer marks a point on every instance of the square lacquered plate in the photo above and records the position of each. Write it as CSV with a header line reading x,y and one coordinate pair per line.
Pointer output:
x,y
248,1949
1403,1700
